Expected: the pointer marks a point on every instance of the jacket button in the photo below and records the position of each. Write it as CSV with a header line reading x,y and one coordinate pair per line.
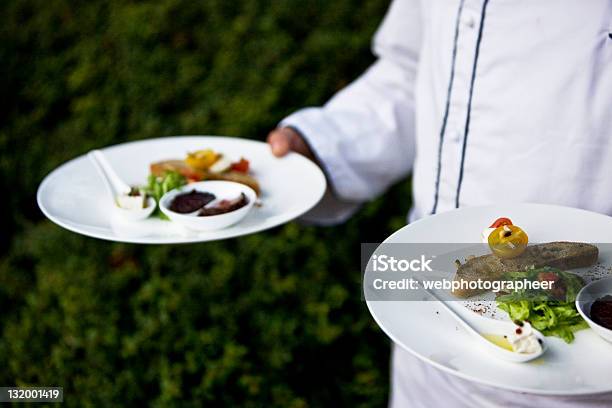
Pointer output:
x,y
457,136
469,22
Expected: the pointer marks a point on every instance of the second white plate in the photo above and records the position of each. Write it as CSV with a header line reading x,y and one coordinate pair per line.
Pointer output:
x,y
73,196
422,327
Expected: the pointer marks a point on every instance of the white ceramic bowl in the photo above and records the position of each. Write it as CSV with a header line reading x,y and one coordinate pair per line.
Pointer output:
x,y
222,190
589,294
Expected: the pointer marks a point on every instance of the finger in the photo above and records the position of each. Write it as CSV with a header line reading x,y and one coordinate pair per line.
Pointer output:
x,y
297,143
279,143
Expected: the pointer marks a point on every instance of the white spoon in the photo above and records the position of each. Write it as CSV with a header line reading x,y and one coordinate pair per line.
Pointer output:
x,y
496,328
117,187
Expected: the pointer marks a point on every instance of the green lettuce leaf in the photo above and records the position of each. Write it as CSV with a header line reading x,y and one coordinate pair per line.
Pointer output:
x,y
551,316
157,186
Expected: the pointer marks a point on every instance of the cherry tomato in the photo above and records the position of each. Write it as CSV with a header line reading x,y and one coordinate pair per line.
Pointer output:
x,y
242,166
508,241
558,288
500,222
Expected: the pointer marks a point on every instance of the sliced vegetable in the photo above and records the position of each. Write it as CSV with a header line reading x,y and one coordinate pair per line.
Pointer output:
x,y
508,241
241,166
202,159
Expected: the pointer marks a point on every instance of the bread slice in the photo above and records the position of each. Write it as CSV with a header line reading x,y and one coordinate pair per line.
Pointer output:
x,y
179,166
562,255
159,168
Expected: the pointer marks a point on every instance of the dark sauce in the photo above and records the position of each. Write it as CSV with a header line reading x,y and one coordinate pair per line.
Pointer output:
x,y
189,202
601,311
225,206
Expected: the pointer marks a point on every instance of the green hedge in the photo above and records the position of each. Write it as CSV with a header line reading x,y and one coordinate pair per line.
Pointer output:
x,y
272,319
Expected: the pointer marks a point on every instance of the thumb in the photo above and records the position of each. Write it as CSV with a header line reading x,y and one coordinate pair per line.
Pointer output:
x,y
279,143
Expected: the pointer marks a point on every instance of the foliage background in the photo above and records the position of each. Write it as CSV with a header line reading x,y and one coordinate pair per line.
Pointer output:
x,y
273,319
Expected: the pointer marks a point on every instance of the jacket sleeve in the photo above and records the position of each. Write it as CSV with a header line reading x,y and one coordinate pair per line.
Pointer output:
x,y
364,136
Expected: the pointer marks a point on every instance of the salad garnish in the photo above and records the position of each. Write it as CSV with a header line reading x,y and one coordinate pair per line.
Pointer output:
x,y
157,186
552,312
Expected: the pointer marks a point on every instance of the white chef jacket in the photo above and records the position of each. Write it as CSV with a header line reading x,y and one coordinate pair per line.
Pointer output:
x,y
484,101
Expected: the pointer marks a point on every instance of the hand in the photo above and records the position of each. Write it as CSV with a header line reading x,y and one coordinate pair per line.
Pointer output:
x,y
284,140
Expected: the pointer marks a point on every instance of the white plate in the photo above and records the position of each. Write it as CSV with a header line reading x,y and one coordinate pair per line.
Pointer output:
x,y
582,367
74,197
